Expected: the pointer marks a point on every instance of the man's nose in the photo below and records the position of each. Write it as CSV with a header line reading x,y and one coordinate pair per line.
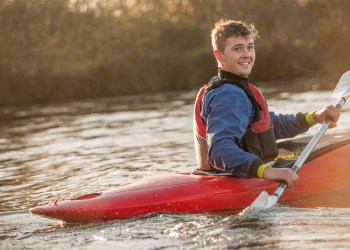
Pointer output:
x,y
246,53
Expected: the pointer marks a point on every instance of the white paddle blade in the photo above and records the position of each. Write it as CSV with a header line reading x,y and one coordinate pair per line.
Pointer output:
x,y
343,87
264,201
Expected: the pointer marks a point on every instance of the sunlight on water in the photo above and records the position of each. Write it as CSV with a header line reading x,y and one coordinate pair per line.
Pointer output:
x,y
78,148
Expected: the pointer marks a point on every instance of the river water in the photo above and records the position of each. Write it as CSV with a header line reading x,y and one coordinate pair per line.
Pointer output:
x,y
59,151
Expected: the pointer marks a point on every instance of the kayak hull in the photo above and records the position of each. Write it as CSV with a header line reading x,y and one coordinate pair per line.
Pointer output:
x,y
186,193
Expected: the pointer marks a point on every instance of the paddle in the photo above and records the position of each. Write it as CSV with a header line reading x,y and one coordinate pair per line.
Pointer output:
x,y
342,93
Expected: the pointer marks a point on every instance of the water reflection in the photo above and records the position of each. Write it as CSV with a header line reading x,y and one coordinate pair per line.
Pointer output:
x,y
60,151
77,148
73,149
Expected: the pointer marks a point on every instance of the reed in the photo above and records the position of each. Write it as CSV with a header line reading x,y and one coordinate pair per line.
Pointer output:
x,y
54,51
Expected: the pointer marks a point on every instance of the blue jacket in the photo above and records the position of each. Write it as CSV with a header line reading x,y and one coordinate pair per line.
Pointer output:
x,y
227,112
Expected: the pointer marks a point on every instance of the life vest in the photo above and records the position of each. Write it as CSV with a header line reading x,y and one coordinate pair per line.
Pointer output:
x,y
259,138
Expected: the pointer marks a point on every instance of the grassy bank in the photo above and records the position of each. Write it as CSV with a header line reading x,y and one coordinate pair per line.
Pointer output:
x,y
53,51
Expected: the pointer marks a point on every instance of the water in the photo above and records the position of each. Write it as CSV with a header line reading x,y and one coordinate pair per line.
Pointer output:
x,y
68,150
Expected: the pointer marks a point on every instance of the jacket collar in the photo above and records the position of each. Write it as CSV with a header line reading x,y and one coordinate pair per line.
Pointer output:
x,y
228,75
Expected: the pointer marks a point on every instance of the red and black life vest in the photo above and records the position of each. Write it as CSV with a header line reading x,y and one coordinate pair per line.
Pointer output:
x,y
259,138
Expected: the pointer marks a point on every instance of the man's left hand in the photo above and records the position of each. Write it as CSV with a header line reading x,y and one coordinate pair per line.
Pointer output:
x,y
329,112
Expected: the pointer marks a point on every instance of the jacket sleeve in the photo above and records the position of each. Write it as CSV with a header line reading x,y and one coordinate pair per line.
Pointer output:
x,y
287,126
227,112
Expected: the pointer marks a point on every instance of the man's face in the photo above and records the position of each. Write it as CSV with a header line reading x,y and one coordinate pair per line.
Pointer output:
x,y
239,55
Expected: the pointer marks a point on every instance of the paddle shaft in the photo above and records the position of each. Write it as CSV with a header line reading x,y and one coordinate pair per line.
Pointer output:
x,y
308,149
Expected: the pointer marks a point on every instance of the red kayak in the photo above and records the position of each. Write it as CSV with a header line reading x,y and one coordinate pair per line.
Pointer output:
x,y
325,174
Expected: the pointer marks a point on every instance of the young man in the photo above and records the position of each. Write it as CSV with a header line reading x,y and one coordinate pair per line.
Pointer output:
x,y
234,131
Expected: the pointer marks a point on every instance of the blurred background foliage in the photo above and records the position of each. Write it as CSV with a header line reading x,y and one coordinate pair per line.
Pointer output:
x,y
61,50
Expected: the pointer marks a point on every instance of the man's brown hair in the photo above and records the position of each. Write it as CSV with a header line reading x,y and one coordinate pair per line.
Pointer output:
x,y
224,29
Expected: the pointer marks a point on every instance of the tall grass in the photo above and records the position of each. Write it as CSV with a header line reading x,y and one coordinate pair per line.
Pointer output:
x,y
58,50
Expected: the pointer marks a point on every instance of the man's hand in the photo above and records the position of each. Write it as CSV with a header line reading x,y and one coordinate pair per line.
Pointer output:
x,y
281,174
330,112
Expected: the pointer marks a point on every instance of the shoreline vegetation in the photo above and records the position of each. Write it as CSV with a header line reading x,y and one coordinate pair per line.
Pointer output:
x,y
67,50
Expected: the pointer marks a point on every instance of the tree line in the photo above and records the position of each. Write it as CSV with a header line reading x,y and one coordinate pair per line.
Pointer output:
x,y
59,50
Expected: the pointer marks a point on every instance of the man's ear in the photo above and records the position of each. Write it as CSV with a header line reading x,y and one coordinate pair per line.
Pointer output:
x,y
218,55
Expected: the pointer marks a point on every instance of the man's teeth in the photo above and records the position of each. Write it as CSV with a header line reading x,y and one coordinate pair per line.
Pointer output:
x,y
245,63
